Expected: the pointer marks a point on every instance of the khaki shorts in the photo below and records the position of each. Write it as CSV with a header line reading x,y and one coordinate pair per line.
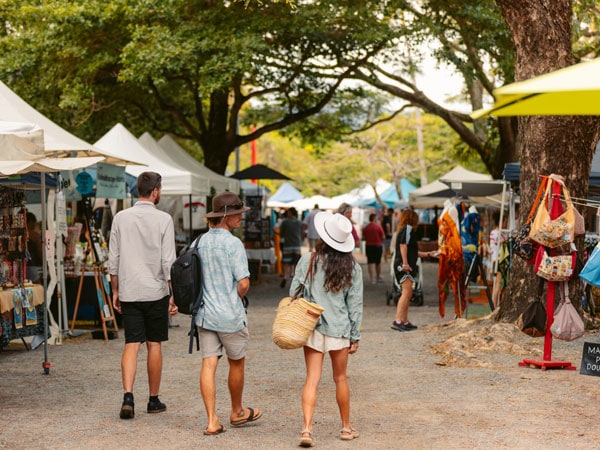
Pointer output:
x,y
212,343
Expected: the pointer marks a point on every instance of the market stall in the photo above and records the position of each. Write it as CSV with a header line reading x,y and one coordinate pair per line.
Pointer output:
x,y
23,149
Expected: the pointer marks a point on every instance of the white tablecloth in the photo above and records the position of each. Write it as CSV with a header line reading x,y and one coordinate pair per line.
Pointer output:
x,y
264,254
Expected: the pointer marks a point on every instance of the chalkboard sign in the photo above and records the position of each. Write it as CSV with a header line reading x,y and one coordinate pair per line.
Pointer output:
x,y
590,359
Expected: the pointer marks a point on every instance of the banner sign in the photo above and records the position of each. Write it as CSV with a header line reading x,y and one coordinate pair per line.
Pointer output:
x,y
110,181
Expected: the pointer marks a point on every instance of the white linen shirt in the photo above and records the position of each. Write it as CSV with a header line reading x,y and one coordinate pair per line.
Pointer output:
x,y
224,263
141,252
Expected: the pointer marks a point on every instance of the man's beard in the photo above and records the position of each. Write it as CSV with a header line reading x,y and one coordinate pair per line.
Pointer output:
x,y
157,199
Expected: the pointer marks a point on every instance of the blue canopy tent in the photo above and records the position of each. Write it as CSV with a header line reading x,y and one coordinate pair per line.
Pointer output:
x,y
286,193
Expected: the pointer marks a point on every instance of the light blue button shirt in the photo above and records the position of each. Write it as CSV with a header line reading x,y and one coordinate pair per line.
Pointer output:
x,y
343,310
224,263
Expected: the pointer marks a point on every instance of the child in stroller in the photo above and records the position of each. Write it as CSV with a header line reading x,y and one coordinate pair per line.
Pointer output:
x,y
394,294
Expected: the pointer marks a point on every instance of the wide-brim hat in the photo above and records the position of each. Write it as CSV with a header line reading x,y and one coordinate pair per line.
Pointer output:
x,y
226,204
335,230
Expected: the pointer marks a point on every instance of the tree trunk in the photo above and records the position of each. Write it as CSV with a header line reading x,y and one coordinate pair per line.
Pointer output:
x,y
215,141
541,33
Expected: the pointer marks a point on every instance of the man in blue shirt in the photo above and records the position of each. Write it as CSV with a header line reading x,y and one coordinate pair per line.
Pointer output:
x,y
221,321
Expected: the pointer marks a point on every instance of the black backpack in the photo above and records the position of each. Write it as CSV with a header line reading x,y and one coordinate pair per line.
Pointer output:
x,y
186,281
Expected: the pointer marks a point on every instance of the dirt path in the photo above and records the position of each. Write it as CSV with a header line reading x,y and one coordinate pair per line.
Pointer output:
x,y
451,384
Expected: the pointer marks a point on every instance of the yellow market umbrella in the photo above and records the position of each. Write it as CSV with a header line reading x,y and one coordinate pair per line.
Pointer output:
x,y
571,91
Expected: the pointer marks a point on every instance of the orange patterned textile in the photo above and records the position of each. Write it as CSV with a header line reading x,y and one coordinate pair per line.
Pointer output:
x,y
451,271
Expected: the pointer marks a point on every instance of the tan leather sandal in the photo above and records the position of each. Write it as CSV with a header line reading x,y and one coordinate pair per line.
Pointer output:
x,y
306,439
347,434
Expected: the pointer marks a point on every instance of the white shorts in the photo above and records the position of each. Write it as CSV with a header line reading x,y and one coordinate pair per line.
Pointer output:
x,y
324,344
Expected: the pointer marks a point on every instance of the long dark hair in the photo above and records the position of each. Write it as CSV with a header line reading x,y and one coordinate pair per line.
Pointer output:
x,y
336,265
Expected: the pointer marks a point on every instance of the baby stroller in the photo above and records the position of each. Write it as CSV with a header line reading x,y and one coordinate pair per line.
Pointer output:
x,y
396,291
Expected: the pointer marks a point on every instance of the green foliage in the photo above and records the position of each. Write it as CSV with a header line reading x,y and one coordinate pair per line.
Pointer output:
x,y
188,68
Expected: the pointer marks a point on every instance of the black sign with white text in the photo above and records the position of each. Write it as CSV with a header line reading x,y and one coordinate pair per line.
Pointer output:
x,y
590,359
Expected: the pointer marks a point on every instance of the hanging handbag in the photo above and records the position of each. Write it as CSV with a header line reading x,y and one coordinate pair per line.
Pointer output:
x,y
296,317
554,232
579,223
533,319
523,246
567,324
554,268
591,270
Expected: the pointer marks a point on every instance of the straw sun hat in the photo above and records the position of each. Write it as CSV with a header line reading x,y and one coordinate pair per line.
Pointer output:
x,y
335,230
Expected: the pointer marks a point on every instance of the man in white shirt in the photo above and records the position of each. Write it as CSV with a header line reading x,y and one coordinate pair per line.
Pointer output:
x,y
141,252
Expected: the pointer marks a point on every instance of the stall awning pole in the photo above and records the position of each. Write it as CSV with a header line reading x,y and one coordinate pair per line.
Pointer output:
x,y
46,364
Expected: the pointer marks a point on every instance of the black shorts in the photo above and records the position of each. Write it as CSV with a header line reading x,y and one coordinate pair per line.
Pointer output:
x,y
290,257
146,321
374,253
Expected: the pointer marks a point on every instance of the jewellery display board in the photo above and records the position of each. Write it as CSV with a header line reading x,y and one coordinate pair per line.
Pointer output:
x,y
21,310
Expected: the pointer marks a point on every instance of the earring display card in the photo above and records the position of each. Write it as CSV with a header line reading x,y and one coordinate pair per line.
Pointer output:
x,y
18,309
30,314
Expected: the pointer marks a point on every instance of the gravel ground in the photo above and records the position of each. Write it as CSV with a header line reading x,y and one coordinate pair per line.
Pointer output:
x,y
451,384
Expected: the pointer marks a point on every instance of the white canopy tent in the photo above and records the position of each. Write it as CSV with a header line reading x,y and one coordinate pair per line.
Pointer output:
x,y
199,182
57,141
175,181
308,203
220,183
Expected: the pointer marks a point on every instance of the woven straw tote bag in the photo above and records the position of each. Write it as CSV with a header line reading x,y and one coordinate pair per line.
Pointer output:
x,y
296,318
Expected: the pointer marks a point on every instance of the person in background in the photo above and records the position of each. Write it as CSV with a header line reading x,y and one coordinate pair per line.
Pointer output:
x,y
405,266
221,321
495,242
373,235
308,227
34,247
141,253
336,284
290,232
387,223
345,209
